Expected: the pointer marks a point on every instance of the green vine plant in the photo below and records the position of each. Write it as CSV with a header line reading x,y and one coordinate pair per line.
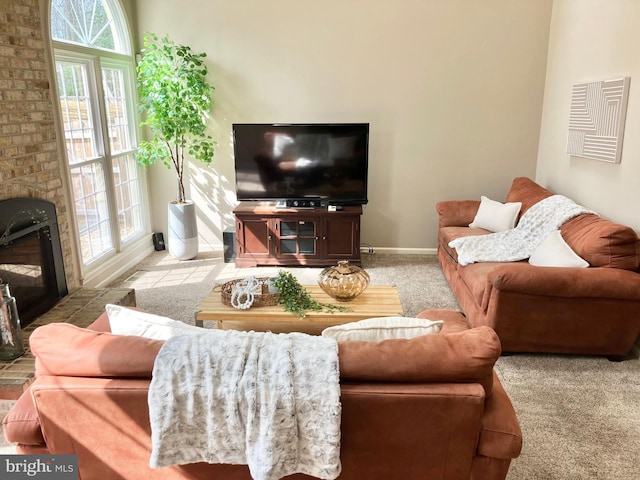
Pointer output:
x,y
176,99
296,299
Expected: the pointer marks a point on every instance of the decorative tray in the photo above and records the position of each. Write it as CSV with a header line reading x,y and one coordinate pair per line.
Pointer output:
x,y
262,299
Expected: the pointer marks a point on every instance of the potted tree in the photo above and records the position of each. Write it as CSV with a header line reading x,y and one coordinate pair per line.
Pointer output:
x,y
175,100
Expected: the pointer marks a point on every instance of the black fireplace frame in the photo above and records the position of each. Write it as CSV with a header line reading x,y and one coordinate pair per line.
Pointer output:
x,y
23,216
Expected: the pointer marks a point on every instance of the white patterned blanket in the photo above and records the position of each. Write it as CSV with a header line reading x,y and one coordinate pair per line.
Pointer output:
x,y
520,242
269,401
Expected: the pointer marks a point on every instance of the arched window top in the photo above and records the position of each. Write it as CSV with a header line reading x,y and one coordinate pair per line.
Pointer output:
x,y
91,23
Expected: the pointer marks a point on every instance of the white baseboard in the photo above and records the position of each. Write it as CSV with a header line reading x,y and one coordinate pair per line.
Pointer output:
x,y
400,251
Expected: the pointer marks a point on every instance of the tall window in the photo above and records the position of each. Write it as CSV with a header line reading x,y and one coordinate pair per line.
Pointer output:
x,y
95,74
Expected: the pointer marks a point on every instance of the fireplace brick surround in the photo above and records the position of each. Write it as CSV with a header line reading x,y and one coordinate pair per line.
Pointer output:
x,y
30,160
79,308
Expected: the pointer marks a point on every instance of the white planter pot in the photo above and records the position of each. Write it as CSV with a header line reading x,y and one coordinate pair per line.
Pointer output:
x,y
182,230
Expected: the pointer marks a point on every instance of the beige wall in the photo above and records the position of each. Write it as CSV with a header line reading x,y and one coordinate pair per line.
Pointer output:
x,y
592,40
452,89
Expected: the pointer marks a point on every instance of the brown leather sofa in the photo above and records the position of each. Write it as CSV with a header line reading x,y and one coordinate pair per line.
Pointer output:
x,y
430,407
594,310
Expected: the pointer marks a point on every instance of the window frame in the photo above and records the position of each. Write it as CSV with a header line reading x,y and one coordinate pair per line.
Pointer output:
x,y
98,270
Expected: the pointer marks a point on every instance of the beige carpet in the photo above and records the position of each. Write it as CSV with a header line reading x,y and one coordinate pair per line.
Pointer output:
x,y
176,288
580,416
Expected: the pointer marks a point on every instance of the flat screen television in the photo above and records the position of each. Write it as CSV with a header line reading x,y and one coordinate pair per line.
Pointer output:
x,y
287,162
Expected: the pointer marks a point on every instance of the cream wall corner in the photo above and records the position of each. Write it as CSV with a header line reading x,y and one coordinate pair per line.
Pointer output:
x,y
592,40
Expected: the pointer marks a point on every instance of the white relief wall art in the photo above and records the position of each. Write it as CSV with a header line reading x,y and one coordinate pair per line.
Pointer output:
x,y
596,122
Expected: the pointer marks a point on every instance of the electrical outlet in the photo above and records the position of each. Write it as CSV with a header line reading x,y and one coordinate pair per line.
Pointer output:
x,y
367,248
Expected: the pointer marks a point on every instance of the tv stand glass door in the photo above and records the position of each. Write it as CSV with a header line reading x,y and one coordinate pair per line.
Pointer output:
x,y
297,237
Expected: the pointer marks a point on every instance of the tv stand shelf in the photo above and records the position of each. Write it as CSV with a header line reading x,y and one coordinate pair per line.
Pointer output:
x,y
266,235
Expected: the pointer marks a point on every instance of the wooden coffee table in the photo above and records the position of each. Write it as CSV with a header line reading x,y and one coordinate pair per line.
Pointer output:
x,y
375,301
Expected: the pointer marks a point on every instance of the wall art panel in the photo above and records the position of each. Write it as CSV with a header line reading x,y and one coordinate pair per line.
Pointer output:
x,y
596,122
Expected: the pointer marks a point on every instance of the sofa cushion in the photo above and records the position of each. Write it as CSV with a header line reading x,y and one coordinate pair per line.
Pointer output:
x,y
602,242
465,356
527,192
553,251
128,321
495,216
101,324
382,328
65,349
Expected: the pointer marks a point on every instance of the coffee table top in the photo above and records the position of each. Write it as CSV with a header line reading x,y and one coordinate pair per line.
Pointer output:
x,y
375,301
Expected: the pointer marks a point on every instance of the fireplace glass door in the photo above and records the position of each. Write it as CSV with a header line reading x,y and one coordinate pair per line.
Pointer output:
x,y
26,265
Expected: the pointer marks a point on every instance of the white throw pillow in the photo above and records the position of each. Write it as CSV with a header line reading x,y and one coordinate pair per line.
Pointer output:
x,y
125,321
495,216
382,328
553,251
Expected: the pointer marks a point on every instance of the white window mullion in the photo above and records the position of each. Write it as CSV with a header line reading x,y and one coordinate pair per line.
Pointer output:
x,y
107,164
118,80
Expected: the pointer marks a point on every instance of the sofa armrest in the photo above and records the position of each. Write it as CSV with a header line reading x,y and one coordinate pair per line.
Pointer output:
x,y
22,425
600,282
456,213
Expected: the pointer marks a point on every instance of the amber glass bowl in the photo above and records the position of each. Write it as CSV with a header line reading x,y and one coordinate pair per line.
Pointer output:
x,y
344,281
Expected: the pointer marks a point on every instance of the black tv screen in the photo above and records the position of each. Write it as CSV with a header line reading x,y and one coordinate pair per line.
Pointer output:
x,y
302,161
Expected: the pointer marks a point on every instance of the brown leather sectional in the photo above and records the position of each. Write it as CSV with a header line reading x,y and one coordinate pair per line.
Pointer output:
x,y
429,407
593,311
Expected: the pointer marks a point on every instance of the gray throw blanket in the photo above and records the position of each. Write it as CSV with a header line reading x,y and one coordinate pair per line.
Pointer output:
x,y
269,401
520,242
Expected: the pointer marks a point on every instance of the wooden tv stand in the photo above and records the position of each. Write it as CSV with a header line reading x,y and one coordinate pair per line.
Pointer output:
x,y
266,235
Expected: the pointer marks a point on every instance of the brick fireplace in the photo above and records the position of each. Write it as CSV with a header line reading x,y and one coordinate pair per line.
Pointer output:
x,y
31,164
